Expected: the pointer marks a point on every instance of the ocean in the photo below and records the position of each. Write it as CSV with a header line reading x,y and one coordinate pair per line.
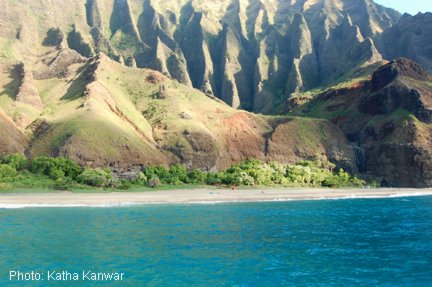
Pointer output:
x,y
349,242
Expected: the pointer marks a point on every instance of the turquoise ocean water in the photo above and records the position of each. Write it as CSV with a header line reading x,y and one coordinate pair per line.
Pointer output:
x,y
358,242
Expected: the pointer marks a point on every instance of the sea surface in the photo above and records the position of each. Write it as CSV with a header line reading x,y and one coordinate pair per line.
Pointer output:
x,y
350,242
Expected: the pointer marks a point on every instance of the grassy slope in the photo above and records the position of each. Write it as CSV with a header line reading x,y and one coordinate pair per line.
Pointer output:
x,y
82,124
343,109
116,118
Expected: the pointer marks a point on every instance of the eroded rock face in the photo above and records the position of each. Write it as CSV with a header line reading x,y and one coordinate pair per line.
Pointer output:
x,y
104,114
251,54
28,94
394,97
411,37
288,142
401,165
345,47
12,139
57,66
389,118
390,91
400,67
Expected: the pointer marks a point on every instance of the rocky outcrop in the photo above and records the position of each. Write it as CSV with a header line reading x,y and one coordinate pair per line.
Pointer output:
x,y
93,16
401,165
122,21
400,148
310,145
372,19
411,37
400,67
388,119
57,64
28,94
253,54
196,51
390,92
140,116
12,139
235,89
304,67
28,103
76,42
258,55
54,37
345,48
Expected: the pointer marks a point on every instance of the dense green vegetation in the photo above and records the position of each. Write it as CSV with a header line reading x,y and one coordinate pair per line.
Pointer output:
x,y
16,171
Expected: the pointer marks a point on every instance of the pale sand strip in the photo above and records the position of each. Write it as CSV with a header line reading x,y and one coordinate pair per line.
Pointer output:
x,y
196,196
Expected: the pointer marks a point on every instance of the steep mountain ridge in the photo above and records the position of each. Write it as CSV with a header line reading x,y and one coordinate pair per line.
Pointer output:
x,y
12,138
125,83
389,120
411,37
253,54
102,113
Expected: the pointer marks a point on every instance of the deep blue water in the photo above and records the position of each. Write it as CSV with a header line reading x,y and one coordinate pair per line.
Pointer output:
x,y
359,242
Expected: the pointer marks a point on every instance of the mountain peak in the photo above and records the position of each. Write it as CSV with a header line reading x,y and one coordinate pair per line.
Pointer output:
x,y
396,68
409,68
252,57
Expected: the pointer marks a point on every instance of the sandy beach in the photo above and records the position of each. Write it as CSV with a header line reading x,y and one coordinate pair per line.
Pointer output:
x,y
196,196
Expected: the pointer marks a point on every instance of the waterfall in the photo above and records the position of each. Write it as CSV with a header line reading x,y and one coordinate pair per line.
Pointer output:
x,y
360,158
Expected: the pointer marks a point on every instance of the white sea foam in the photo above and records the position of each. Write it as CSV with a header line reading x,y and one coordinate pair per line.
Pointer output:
x,y
17,206
396,195
38,205
287,199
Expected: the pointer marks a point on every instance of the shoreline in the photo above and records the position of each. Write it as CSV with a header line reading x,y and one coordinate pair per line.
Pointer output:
x,y
197,196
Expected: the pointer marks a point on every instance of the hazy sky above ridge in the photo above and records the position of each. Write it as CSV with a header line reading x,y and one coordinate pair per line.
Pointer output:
x,y
410,6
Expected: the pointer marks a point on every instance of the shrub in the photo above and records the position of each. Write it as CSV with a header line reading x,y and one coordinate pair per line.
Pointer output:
x,y
56,168
332,181
249,164
230,178
140,179
277,177
196,176
341,179
177,174
18,161
310,173
154,182
7,172
278,168
157,171
95,177
358,182
66,174
262,174
246,179
299,174
213,179
123,184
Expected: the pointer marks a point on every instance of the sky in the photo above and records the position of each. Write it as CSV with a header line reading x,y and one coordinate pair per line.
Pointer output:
x,y
410,6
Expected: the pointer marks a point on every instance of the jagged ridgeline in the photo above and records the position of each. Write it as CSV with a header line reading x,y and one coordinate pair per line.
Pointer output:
x,y
252,54
126,83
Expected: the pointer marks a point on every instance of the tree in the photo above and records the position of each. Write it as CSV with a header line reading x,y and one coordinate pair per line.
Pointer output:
x,y
95,177
18,161
56,168
7,171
